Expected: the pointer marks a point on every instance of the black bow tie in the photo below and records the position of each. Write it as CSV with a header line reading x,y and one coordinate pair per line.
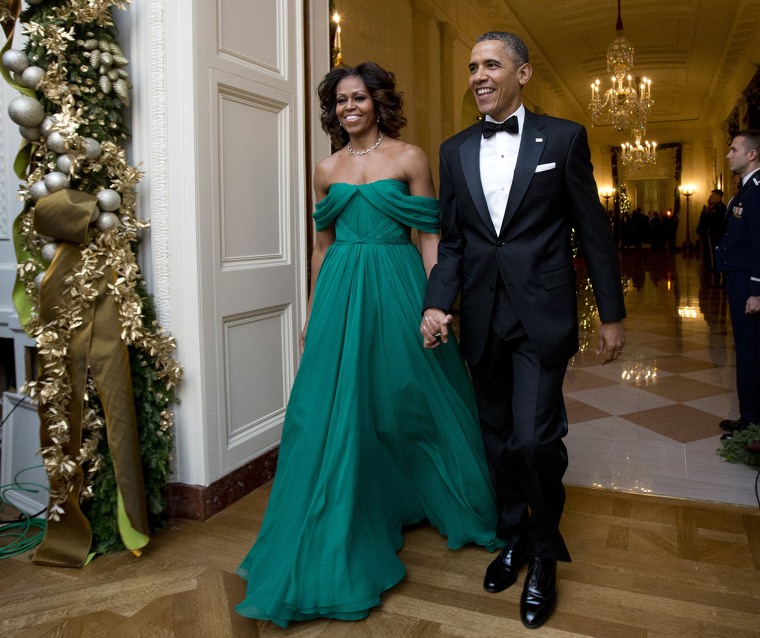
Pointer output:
x,y
510,125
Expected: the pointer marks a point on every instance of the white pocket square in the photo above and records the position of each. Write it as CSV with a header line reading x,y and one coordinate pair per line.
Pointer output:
x,y
545,167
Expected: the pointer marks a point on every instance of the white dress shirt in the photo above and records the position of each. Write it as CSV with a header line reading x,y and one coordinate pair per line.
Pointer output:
x,y
498,158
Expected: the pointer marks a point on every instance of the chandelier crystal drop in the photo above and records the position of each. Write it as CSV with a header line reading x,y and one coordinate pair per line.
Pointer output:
x,y
628,103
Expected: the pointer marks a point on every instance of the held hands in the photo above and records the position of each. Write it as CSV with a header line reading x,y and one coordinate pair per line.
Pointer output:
x,y
611,340
434,327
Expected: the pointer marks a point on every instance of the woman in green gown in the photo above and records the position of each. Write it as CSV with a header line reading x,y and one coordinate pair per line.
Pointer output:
x,y
379,432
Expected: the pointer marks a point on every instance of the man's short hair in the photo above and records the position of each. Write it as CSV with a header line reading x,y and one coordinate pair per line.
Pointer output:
x,y
514,44
751,139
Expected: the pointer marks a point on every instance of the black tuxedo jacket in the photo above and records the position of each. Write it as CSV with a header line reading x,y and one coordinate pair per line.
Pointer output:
x,y
553,191
739,248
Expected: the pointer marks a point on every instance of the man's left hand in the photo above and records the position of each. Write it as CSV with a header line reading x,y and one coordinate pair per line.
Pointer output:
x,y
611,340
753,305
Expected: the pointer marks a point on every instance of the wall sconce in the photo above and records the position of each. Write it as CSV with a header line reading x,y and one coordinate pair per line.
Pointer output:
x,y
606,193
687,190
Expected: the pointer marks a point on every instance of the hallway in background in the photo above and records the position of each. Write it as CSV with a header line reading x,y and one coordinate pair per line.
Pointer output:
x,y
648,423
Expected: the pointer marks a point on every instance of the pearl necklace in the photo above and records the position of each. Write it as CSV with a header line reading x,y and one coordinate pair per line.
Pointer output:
x,y
370,149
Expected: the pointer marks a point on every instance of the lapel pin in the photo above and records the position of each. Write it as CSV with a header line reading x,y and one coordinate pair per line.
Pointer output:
x,y
539,139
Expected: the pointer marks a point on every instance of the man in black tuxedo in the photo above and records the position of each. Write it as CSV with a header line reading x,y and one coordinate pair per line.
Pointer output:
x,y
509,200
738,256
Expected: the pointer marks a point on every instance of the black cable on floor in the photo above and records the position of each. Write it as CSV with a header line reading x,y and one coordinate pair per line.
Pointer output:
x,y
7,416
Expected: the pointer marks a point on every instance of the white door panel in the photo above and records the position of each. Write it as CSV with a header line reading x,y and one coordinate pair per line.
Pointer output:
x,y
251,209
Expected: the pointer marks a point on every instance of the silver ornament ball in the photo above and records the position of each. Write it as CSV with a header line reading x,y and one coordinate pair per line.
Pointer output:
x,y
30,133
26,111
66,163
15,61
38,189
92,148
56,142
106,222
32,76
56,181
46,127
108,200
38,279
48,251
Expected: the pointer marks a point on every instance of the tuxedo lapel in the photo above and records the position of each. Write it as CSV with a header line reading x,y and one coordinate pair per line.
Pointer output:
x,y
469,155
531,146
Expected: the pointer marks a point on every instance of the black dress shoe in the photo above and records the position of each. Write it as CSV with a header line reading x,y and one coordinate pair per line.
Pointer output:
x,y
539,597
734,426
503,570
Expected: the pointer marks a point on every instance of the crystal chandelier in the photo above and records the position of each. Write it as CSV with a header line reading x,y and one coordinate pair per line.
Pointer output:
x,y
639,154
624,106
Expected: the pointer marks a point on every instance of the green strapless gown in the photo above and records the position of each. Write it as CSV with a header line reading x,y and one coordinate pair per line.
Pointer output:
x,y
379,432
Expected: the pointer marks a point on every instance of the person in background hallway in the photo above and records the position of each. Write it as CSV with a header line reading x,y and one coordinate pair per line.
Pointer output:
x,y
710,230
379,431
738,256
640,228
658,228
704,240
512,188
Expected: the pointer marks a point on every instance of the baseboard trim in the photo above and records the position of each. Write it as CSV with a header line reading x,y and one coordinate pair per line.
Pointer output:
x,y
199,502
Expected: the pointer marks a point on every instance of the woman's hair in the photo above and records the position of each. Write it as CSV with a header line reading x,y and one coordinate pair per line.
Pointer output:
x,y
381,86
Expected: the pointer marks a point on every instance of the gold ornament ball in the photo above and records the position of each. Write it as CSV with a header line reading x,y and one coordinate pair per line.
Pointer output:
x,y
26,111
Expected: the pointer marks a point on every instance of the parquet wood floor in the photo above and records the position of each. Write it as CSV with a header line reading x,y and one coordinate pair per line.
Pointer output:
x,y
643,567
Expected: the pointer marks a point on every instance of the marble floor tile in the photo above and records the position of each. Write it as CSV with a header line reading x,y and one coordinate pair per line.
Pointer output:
x,y
648,422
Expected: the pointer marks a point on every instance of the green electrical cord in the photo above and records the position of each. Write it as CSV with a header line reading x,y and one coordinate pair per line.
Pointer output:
x,y
25,533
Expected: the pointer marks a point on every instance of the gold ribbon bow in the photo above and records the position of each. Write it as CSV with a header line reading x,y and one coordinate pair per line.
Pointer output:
x,y
96,348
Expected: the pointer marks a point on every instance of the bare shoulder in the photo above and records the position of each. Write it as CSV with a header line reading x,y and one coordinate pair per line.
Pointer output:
x,y
327,164
411,152
322,174
409,157
412,162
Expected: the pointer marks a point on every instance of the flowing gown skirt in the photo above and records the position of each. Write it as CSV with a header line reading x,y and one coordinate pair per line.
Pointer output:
x,y
379,432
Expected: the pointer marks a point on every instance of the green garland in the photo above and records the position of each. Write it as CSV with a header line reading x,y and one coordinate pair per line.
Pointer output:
x,y
84,91
735,449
